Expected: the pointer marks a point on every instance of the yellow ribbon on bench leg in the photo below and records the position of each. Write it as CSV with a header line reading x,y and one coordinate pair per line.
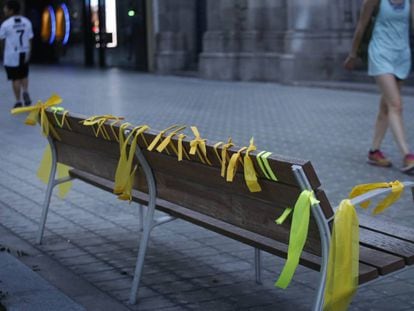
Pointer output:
x,y
297,237
44,171
397,189
343,264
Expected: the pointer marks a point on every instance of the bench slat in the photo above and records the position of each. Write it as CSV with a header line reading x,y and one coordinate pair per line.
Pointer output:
x,y
385,263
367,272
281,165
387,228
387,244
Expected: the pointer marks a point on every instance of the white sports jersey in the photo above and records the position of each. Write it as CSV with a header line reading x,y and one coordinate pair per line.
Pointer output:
x,y
17,31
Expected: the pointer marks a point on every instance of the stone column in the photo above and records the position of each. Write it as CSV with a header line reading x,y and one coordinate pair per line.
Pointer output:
x,y
175,44
318,37
243,39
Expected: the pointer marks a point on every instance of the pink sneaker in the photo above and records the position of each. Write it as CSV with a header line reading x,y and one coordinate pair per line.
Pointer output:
x,y
377,158
408,164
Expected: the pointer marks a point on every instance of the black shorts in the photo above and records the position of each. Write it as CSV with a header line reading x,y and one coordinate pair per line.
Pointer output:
x,y
19,72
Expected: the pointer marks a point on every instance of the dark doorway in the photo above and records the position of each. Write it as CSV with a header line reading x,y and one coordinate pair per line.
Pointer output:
x,y
132,45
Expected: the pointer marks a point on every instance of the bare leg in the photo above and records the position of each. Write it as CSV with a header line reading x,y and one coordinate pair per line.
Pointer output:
x,y
17,88
381,125
390,90
25,84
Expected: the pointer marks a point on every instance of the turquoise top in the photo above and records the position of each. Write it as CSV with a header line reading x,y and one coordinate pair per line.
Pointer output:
x,y
389,48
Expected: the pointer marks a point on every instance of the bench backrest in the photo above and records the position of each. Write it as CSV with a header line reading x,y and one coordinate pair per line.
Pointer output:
x,y
198,186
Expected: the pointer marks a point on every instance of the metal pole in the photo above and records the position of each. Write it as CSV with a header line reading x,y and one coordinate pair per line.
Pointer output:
x,y
51,184
152,192
324,232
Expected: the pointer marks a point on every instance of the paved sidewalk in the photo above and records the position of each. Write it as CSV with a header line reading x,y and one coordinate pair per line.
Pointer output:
x,y
93,236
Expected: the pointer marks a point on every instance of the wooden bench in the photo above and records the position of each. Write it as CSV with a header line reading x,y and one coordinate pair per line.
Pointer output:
x,y
196,192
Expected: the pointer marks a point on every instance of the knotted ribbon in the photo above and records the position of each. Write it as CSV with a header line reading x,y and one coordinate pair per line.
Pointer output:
x,y
198,144
232,168
343,264
125,174
297,237
100,121
397,189
250,175
37,114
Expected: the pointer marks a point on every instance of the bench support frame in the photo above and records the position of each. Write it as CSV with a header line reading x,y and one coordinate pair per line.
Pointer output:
x,y
324,232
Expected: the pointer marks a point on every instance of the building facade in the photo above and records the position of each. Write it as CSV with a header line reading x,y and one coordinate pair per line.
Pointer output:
x,y
266,40
249,40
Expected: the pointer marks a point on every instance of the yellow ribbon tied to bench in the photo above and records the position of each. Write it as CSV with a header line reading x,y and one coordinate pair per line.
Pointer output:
x,y
37,114
250,175
298,235
396,191
198,144
125,173
343,264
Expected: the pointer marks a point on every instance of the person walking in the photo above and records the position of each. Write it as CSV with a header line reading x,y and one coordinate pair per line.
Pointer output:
x,y
389,62
17,31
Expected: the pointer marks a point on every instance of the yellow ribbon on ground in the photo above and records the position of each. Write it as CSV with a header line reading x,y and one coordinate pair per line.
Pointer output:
x,y
44,171
397,189
343,264
37,114
198,144
297,237
125,174
232,168
250,175
100,121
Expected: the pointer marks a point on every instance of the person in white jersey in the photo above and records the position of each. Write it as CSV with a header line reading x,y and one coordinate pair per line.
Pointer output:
x,y
17,32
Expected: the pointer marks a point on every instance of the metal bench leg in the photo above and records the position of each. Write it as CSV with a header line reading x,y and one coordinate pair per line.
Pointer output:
x,y
51,184
149,218
141,217
325,234
258,265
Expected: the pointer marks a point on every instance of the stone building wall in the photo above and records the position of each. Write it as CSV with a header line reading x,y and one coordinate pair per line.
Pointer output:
x,y
265,40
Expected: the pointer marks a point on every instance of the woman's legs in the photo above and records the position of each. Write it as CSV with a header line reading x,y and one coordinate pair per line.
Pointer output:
x,y
390,113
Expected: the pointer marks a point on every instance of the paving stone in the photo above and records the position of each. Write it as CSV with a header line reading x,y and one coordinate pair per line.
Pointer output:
x,y
190,268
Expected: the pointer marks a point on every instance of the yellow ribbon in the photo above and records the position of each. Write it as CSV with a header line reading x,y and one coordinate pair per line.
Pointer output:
x,y
343,264
225,156
125,174
297,237
61,123
167,140
265,166
250,175
39,110
159,137
44,171
232,168
100,121
397,189
198,144
181,149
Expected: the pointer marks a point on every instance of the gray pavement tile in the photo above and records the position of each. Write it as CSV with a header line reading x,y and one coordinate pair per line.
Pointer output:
x,y
332,128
